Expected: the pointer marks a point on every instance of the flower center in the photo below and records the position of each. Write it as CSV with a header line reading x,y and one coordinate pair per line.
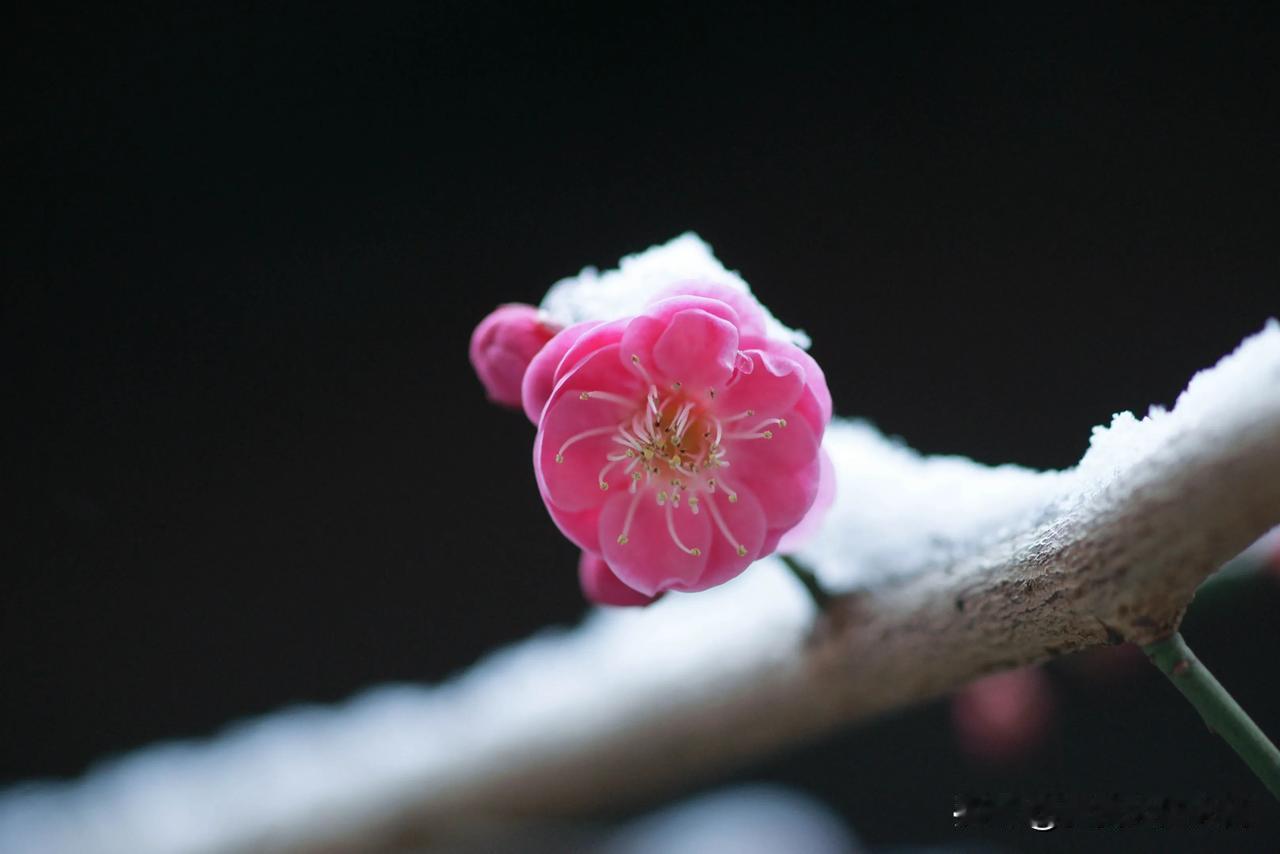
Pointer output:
x,y
672,448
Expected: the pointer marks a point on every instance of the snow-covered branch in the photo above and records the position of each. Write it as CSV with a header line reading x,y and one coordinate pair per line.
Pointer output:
x,y
948,569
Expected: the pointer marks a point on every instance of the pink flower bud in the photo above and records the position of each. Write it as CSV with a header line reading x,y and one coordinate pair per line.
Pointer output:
x,y
502,347
678,445
601,586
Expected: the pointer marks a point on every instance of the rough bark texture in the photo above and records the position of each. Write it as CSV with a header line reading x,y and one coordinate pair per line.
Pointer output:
x,y
1121,564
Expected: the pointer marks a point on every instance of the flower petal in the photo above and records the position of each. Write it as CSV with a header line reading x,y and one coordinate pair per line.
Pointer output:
x,y
600,371
649,559
644,330
697,349
581,528
572,449
772,537
809,526
539,377
601,586
815,403
789,447
749,317
783,471
770,389
744,519
787,496
594,339
668,307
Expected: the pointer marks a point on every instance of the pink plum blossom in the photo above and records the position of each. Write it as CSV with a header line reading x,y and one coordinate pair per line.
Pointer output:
x,y
503,345
677,446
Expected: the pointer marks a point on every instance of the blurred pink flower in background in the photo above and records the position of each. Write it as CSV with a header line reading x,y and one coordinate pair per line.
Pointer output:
x,y
1002,717
503,345
1108,663
1272,566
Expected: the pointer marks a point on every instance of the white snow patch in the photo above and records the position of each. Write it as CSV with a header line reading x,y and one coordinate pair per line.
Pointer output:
x,y
898,511
1252,369
592,295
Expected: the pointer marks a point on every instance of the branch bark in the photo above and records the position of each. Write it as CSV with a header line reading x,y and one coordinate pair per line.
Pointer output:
x,y
634,703
1119,561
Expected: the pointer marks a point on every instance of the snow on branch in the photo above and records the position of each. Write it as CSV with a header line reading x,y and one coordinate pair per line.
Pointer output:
x,y
948,570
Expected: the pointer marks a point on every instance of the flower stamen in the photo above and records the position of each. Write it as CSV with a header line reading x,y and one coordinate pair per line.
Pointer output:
x,y
606,395
756,433
635,362
614,459
626,522
728,490
578,437
675,538
724,527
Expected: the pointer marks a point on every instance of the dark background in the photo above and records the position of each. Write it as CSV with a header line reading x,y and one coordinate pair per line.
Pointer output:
x,y
250,466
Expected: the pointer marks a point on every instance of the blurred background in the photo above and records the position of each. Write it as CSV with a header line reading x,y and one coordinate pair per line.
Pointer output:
x,y
248,464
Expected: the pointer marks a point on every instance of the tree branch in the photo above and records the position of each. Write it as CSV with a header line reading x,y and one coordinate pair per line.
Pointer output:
x,y
1117,557
948,570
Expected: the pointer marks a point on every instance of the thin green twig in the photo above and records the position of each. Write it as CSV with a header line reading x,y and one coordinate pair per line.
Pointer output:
x,y
1219,710
810,581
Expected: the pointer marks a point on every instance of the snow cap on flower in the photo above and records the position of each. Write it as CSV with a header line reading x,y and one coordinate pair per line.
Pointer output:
x,y
676,445
684,264
503,345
